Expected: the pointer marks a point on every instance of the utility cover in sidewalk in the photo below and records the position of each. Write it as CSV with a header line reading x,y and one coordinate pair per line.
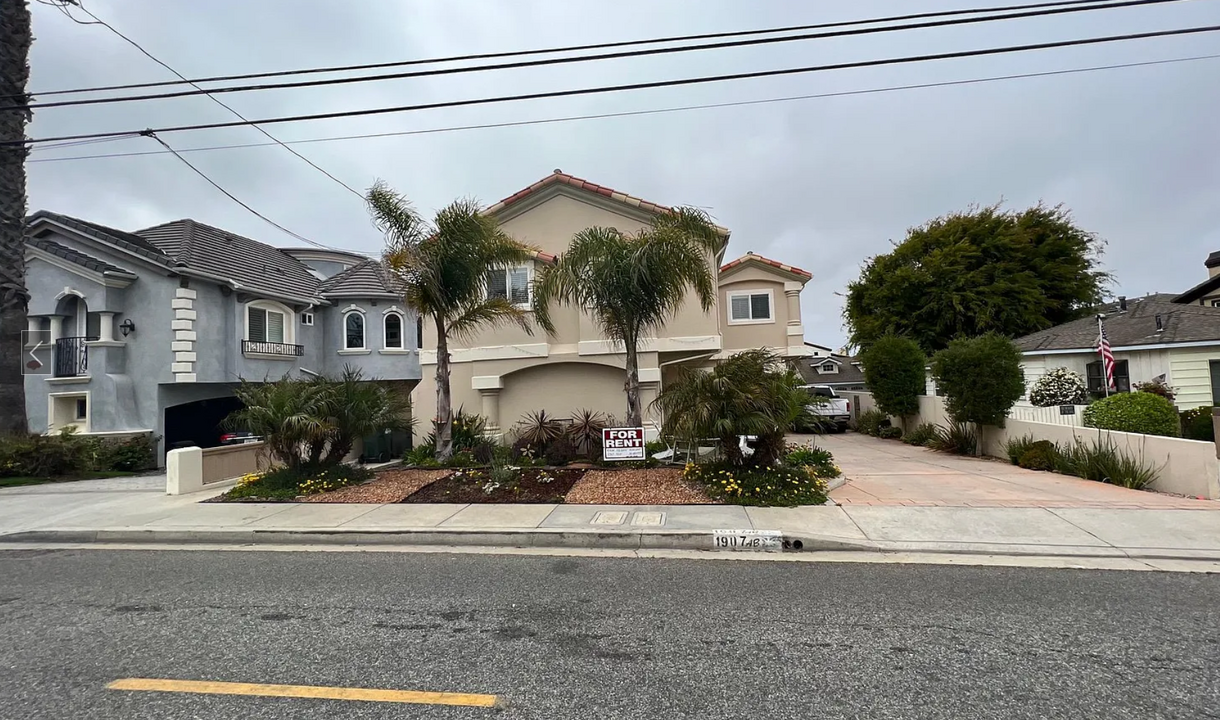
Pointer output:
x,y
609,518
648,518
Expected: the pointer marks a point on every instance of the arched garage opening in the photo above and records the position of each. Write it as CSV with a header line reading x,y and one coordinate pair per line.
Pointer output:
x,y
561,389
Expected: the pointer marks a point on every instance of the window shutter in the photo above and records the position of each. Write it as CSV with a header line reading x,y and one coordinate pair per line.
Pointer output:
x,y
740,307
258,325
520,278
275,327
760,307
497,284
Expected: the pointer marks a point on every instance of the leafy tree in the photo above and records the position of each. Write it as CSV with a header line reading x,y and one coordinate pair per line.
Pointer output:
x,y
981,378
750,393
15,39
442,268
633,283
981,271
895,373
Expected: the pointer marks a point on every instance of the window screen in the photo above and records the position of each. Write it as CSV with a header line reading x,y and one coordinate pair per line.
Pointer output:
x,y
760,307
258,325
755,306
497,284
741,307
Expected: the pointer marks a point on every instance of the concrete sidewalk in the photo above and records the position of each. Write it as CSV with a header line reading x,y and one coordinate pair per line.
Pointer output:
x,y
137,510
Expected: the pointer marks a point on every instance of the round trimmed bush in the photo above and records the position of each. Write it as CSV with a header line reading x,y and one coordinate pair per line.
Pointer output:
x,y
1137,412
1038,456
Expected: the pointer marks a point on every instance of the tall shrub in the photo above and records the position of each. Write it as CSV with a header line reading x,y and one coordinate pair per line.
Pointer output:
x,y
894,370
1137,412
981,378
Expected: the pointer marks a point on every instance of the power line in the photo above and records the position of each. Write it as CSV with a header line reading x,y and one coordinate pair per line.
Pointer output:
x,y
591,58
231,196
571,48
150,56
656,111
645,85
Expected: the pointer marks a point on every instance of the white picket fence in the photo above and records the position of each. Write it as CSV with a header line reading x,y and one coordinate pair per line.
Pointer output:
x,y
1049,415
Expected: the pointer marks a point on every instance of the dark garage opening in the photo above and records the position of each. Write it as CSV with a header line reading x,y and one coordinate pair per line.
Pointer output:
x,y
197,423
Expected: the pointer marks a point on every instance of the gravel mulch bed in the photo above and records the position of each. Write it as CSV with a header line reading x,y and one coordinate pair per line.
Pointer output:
x,y
460,487
653,486
390,486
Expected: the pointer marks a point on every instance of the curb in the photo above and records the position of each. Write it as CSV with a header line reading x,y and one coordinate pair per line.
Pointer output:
x,y
473,537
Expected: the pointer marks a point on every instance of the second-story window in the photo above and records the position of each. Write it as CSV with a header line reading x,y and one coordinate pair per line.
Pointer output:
x,y
750,307
353,331
393,331
512,284
266,325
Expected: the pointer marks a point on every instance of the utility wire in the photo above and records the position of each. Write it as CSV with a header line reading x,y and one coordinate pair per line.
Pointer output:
x,y
633,113
243,118
644,85
231,196
570,48
591,58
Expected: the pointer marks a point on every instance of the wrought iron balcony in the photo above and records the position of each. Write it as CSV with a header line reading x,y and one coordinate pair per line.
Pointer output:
x,y
72,356
255,347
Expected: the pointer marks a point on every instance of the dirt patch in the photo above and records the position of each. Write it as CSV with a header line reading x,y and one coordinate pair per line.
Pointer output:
x,y
390,486
653,486
533,485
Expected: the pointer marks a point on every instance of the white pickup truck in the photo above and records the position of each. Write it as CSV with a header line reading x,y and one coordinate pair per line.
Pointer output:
x,y
833,410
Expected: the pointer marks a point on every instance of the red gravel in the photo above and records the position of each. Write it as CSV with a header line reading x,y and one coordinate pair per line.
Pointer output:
x,y
390,486
653,486
462,487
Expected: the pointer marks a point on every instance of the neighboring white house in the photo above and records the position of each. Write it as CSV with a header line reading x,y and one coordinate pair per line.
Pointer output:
x,y
1152,337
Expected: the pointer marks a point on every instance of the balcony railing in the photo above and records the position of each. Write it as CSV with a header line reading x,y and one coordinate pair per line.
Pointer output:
x,y
254,347
72,356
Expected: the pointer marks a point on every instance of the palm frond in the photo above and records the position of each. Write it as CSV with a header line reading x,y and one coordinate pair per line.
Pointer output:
x,y
489,312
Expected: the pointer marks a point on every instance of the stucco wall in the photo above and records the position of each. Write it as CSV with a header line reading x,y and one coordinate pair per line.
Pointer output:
x,y
773,334
375,360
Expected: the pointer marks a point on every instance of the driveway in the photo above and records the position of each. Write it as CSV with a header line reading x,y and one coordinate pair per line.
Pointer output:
x,y
889,472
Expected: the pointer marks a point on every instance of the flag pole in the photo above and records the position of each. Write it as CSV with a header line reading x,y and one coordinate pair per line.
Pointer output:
x,y
1101,334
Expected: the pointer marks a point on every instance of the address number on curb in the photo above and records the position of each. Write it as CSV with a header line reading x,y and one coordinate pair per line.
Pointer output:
x,y
752,540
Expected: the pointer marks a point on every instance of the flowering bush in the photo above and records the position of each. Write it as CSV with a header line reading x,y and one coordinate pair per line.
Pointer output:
x,y
779,485
283,483
1060,386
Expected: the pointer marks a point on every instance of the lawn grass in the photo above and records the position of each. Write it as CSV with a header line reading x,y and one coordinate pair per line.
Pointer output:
x,y
7,482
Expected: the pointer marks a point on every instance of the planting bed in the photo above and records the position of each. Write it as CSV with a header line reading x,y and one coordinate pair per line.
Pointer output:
x,y
533,485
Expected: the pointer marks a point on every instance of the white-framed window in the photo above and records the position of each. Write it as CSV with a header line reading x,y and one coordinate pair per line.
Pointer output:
x,y
82,409
269,322
353,330
307,319
512,284
1215,303
828,368
750,307
392,330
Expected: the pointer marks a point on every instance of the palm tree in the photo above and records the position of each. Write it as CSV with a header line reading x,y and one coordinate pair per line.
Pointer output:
x,y
443,270
633,283
15,39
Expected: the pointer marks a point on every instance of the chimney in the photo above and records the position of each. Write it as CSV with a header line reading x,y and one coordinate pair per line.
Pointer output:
x,y
1213,264
1160,324
1122,303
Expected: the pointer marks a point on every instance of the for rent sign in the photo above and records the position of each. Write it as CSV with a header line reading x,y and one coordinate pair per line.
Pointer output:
x,y
623,443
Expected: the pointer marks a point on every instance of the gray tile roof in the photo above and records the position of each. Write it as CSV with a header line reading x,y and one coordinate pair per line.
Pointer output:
x,y
364,279
127,241
253,265
1203,289
1136,326
849,372
75,256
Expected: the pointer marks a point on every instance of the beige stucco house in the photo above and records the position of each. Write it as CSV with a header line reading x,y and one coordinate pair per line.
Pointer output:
x,y
505,373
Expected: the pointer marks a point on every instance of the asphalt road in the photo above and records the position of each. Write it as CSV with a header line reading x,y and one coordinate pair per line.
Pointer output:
x,y
561,638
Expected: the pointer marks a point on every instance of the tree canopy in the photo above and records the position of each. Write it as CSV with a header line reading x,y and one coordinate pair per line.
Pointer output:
x,y
981,378
894,372
971,273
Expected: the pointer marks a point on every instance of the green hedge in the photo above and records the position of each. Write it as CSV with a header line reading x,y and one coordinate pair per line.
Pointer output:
x,y
1137,412
1197,424
71,455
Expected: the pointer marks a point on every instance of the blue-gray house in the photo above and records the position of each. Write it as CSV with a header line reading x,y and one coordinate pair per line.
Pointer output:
x,y
151,330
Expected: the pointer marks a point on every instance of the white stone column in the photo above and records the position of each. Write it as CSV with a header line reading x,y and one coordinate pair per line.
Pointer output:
x,y
491,409
792,291
105,327
57,327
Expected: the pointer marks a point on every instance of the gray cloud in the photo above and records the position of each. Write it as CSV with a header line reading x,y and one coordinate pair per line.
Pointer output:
x,y
822,184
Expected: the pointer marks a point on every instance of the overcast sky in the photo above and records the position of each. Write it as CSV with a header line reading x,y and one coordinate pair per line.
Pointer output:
x,y
819,183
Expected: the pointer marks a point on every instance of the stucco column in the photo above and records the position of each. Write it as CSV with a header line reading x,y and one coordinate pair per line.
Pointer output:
x,y
792,291
491,408
106,326
57,327
651,417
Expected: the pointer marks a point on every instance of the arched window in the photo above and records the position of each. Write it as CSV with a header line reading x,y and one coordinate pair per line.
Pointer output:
x,y
393,331
353,331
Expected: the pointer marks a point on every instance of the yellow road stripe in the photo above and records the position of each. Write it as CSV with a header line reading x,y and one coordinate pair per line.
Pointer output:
x,y
304,691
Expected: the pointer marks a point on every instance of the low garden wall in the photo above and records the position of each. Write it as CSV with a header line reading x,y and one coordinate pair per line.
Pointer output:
x,y
1184,467
193,469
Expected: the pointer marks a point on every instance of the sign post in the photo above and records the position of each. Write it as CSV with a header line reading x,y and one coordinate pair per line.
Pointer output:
x,y
623,443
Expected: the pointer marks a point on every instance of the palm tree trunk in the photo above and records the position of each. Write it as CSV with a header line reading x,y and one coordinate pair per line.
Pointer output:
x,y
635,415
444,399
15,39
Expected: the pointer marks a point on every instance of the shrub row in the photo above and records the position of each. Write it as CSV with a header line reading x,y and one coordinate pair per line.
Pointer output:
x,y
1100,461
67,454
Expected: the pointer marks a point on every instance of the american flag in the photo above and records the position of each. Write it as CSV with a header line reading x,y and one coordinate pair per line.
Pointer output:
x,y
1107,355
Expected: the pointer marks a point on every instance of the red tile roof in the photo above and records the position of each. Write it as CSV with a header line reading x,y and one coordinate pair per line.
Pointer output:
x,y
749,257
561,177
